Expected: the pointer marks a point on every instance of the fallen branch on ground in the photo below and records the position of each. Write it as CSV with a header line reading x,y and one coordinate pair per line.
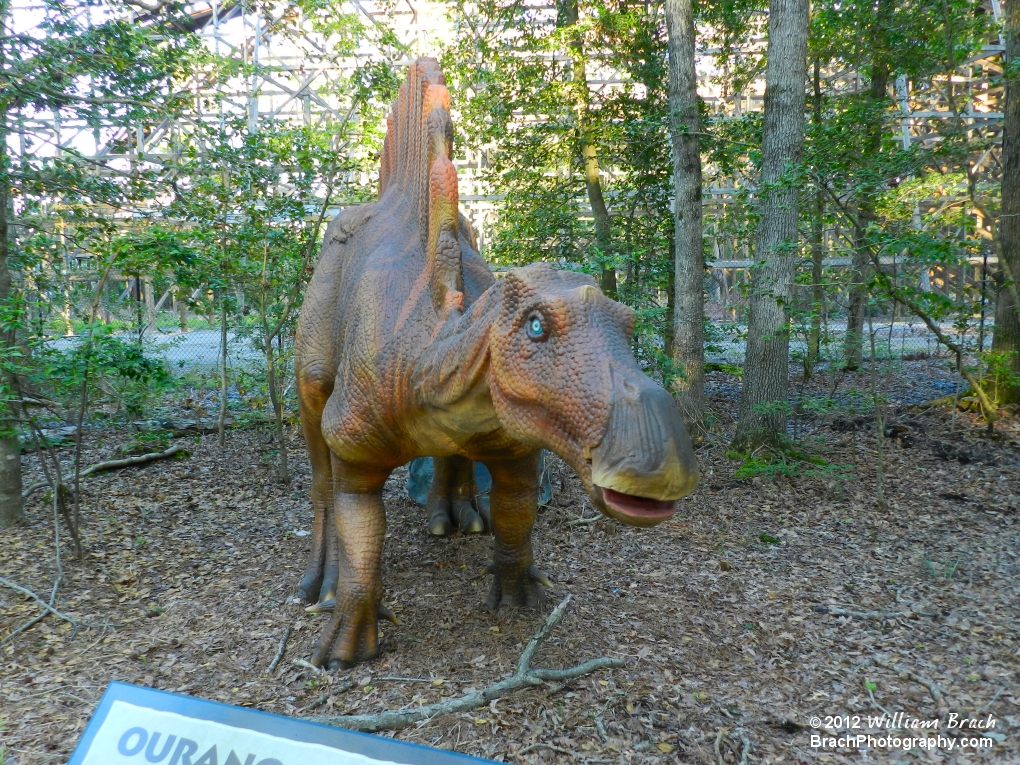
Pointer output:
x,y
836,611
925,405
746,747
524,677
308,665
871,695
718,746
931,685
48,609
279,653
540,745
141,459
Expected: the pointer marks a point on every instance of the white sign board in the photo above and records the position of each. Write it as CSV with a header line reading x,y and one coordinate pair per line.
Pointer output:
x,y
140,726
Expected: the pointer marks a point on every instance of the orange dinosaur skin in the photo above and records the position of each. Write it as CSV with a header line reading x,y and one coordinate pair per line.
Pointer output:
x,y
407,347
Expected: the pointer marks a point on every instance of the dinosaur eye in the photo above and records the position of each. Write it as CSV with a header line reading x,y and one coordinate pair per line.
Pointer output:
x,y
535,329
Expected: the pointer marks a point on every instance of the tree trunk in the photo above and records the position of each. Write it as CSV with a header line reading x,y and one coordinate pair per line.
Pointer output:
x,y
1006,337
688,344
860,265
814,345
567,16
221,420
274,397
150,306
763,400
667,335
11,504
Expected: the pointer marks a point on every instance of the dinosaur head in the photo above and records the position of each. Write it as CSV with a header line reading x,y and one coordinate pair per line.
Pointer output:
x,y
563,377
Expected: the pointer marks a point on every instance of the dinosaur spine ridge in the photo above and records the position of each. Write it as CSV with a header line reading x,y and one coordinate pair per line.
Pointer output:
x,y
416,158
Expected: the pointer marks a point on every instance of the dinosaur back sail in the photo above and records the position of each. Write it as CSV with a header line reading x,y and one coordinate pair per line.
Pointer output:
x,y
416,159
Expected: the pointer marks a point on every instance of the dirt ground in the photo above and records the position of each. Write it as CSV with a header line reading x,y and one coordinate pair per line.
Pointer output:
x,y
760,606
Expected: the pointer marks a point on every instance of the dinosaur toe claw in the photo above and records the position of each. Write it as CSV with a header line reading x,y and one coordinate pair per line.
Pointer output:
x,y
539,576
388,615
469,521
440,526
322,606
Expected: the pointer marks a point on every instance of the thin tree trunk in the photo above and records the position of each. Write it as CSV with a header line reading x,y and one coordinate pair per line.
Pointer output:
x,y
221,421
150,306
860,266
667,335
817,249
1006,335
879,405
11,503
689,259
567,16
274,397
763,401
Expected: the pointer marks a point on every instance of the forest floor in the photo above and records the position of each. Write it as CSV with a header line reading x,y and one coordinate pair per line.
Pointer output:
x,y
759,607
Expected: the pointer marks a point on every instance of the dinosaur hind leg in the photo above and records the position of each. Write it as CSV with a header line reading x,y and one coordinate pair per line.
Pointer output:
x,y
450,500
359,526
514,505
318,585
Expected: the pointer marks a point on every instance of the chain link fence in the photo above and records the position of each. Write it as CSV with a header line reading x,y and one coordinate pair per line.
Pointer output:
x,y
183,333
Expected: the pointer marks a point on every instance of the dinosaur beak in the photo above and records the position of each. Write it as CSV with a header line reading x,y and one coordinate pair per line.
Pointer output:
x,y
645,462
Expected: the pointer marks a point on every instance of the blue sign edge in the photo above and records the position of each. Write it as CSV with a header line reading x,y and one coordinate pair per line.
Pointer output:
x,y
356,742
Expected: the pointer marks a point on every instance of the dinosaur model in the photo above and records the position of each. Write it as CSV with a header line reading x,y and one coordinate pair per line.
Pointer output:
x,y
407,346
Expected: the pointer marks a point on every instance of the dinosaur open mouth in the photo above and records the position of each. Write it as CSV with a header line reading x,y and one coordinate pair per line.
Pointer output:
x,y
638,507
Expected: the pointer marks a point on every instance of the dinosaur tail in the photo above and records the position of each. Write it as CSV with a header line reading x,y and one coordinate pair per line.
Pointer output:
x,y
416,158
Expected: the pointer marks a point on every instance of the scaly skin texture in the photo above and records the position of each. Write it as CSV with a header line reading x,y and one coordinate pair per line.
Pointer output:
x,y
408,347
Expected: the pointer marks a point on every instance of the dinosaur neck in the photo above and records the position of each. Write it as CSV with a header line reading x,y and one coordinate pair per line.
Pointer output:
x,y
451,376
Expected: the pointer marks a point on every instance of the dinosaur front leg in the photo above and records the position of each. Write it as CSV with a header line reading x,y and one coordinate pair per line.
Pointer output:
x,y
359,520
450,500
513,506
319,581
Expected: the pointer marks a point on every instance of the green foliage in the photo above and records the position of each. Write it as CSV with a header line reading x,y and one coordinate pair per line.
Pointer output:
x,y
222,211
521,97
785,462
112,369
1000,375
946,571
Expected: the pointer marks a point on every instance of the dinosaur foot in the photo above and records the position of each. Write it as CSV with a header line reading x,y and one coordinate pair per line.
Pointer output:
x,y
447,516
522,592
324,598
351,636
311,585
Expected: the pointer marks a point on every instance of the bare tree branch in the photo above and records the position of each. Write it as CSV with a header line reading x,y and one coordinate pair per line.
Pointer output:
x,y
141,459
524,677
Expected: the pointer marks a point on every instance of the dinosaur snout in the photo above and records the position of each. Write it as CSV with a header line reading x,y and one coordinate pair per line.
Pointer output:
x,y
645,462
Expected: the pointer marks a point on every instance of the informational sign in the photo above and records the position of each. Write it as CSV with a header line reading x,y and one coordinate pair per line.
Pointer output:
x,y
138,726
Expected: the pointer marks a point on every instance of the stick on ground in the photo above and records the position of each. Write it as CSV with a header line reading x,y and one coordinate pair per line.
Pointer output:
x,y
141,459
931,685
539,745
47,610
279,652
524,677
880,615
